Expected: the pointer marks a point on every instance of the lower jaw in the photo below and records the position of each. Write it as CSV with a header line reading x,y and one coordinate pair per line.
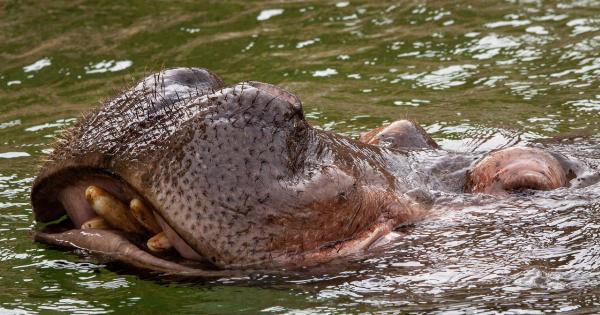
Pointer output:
x,y
126,242
130,248
118,246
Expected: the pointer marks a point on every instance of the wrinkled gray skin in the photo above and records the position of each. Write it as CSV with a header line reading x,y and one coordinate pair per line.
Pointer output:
x,y
235,175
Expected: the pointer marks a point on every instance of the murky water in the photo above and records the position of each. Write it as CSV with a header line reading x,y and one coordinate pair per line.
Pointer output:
x,y
477,75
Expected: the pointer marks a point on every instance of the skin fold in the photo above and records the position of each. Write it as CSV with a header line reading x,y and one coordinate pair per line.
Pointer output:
x,y
236,178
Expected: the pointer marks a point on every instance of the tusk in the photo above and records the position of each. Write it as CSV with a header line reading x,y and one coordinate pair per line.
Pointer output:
x,y
111,209
144,216
159,243
95,223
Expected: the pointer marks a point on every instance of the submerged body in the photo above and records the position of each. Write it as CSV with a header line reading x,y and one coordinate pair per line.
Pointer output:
x,y
236,178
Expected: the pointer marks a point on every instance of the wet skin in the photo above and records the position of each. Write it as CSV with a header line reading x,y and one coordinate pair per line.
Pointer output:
x,y
182,174
401,134
500,172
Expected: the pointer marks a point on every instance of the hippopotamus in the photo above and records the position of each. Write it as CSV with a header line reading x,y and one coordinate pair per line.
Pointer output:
x,y
184,174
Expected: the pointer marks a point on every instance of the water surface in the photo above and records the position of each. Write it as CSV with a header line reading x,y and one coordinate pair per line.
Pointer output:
x,y
478,75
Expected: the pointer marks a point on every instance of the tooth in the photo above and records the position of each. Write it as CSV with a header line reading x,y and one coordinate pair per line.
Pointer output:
x,y
95,223
159,243
144,216
112,210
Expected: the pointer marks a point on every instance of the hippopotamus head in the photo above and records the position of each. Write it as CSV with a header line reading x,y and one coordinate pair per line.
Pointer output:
x,y
230,175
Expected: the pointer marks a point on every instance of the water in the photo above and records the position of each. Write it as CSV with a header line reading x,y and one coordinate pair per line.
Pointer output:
x,y
477,75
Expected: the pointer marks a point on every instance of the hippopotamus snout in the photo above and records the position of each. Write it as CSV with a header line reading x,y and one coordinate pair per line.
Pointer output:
x,y
233,176
181,170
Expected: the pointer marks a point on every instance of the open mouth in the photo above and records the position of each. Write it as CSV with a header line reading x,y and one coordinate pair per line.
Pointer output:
x,y
101,213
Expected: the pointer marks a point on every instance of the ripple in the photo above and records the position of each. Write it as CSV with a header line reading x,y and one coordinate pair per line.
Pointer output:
x,y
585,104
13,82
325,73
112,284
513,23
267,14
413,102
108,66
538,30
38,65
12,155
73,306
190,30
447,77
581,26
9,124
489,46
478,75
307,42
57,124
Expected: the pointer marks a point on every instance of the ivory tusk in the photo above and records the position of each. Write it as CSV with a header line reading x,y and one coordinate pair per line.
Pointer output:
x,y
159,243
112,210
95,223
144,216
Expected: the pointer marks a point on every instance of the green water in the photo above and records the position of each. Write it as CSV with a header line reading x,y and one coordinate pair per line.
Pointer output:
x,y
477,74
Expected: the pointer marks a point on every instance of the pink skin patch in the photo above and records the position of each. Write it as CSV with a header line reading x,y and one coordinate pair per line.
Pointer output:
x,y
514,169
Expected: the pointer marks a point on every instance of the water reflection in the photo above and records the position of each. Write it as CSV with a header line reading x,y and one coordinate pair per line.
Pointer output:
x,y
108,66
38,65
